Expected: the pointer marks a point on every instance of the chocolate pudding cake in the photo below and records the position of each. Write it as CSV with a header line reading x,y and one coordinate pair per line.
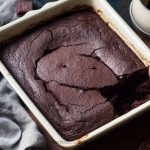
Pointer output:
x,y
77,71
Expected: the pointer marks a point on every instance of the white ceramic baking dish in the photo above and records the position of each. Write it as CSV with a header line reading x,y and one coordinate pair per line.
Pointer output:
x,y
114,21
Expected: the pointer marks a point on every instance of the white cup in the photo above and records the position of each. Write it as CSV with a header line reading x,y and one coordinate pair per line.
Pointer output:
x,y
140,16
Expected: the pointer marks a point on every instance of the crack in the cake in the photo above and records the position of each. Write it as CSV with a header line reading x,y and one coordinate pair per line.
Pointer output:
x,y
55,97
73,26
97,50
84,89
49,51
36,37
89,109
67,107
99,59
96,105
52,37
70,86
75,87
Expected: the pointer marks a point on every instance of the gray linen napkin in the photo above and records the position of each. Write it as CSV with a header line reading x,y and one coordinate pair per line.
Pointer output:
x,y
8,10
17,129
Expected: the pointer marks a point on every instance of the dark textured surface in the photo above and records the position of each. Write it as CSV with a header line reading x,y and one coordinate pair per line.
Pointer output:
x,y
133,98
127,137
64,69
145,145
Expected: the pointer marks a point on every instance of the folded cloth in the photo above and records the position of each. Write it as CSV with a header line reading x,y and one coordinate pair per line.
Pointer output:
x,y
8,10
17,130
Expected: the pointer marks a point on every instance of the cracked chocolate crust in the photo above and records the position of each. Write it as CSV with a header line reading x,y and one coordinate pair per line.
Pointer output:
x,y
71,68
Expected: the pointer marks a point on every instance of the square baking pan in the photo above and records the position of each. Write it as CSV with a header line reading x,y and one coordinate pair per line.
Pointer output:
x,y
50,10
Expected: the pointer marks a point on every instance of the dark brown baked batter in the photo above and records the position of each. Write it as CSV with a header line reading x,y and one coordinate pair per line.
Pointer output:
x,y
72,68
